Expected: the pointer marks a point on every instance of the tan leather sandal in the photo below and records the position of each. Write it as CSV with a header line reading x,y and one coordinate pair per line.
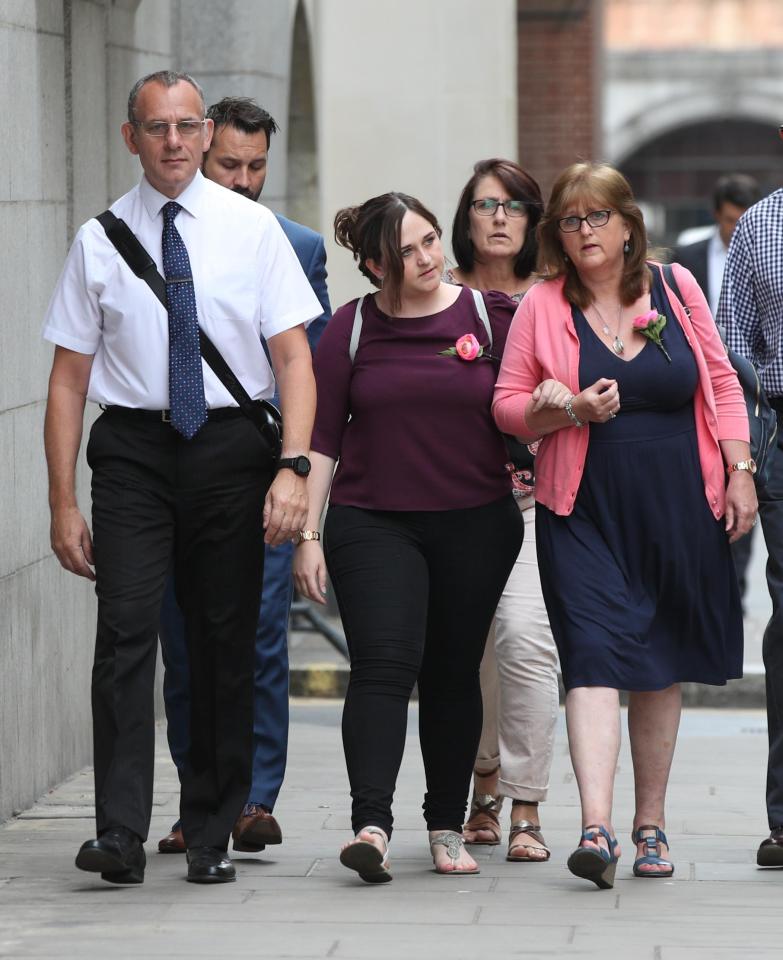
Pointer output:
x,y
484,810
526,828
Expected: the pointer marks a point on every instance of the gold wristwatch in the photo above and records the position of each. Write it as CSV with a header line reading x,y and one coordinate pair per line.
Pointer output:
x,y
749,465
308,535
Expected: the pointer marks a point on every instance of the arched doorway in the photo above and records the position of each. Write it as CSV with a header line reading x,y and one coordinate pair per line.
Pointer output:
x,y
672,175
302,204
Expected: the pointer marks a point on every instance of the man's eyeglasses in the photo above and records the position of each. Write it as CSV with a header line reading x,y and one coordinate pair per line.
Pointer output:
x,y
596,218
489,205
159,128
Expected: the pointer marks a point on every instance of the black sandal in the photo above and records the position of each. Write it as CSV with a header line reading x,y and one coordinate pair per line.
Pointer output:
x,y
593,863
653,856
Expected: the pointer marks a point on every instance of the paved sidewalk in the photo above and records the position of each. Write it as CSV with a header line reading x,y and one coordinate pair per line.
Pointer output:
x,y
296,901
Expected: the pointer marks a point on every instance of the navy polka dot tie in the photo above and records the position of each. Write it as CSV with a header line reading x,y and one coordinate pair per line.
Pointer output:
x,y
187,403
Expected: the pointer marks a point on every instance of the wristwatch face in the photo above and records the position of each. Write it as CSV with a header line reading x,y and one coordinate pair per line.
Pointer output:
x,y
300,465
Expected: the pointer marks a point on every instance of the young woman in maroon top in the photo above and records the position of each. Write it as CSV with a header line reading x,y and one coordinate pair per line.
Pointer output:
x,y
422,529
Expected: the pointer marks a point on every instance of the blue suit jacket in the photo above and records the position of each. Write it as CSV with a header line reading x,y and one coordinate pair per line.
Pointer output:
x,y
695,257
309,248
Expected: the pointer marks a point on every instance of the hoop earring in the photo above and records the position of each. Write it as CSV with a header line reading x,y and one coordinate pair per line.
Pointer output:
x,y
380,281
626,248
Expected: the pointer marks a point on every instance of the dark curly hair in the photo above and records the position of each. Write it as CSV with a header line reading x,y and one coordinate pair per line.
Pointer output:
x,y
371,231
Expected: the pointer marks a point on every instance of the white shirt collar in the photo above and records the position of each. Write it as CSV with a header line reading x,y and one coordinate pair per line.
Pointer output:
x,y
190,199
716,244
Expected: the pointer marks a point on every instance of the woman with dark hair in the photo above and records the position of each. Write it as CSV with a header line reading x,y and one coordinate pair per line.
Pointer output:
x,y
642,422
422,529
494,242
494,232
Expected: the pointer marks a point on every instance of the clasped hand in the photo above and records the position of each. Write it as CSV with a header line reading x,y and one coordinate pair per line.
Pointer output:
x,y
595,404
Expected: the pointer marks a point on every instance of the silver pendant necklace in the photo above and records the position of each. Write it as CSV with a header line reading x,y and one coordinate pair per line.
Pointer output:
x,y
617,342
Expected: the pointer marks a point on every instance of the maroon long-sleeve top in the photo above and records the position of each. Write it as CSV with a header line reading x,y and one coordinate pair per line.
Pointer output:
x,y
411,430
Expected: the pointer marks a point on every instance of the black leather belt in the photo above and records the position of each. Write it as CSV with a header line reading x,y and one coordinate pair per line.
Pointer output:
x,y
164,416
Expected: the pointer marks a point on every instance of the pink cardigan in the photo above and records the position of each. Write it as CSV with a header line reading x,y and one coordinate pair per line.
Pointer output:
x,y
542,344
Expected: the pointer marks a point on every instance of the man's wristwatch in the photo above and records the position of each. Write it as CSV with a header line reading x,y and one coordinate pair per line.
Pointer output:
x,y
300,465
749,465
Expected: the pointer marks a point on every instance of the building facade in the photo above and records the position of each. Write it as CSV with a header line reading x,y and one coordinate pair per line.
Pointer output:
x,y
368,99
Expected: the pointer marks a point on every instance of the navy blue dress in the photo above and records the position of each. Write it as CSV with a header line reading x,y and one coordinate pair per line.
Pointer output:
x,y
639,581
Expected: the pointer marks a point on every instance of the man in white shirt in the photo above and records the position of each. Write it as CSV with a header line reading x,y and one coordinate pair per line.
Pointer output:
x,y
180,477
237,159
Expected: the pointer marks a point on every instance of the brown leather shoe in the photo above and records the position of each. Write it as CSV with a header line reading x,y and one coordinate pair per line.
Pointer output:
x,y
771,850
254,829
173,843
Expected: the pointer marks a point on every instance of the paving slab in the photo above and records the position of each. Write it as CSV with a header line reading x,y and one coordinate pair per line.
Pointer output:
x,y
296,901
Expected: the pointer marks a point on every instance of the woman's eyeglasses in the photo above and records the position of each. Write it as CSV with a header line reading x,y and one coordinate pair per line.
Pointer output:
x,y
596,218
489,205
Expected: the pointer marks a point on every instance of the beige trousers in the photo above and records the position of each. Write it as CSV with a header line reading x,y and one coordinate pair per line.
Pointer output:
x,y
519,683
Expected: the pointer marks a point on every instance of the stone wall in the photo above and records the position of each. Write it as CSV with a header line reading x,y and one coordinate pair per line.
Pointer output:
x,y
59,77
408,101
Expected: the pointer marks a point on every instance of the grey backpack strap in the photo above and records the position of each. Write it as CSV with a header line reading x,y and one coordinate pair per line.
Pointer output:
x,y
356,332
481,308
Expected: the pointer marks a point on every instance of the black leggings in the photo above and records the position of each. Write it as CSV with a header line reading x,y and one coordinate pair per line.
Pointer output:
x,y
417,592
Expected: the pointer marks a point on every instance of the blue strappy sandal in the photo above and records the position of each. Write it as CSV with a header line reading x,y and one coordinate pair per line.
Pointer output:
x,y
653,856
593,863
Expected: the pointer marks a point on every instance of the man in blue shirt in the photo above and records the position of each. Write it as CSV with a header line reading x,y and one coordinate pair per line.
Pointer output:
x,y
751,309
237,159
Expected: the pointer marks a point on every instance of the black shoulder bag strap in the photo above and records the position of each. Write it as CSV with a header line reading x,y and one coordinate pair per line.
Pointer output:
x,y
762,418
263,414
671,280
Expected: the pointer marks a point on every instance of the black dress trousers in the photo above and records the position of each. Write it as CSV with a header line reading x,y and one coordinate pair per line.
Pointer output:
x,y
163,502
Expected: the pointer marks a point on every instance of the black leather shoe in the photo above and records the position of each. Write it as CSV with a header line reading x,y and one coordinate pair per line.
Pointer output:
x,y
117,855
771,850
209,865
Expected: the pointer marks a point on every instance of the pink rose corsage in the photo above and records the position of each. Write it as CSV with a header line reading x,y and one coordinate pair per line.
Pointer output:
x,y
467,348
650,325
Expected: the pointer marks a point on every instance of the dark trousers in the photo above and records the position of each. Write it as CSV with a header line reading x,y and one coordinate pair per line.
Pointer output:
x,y
160,501
417,592
270,698
771,513
740,551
